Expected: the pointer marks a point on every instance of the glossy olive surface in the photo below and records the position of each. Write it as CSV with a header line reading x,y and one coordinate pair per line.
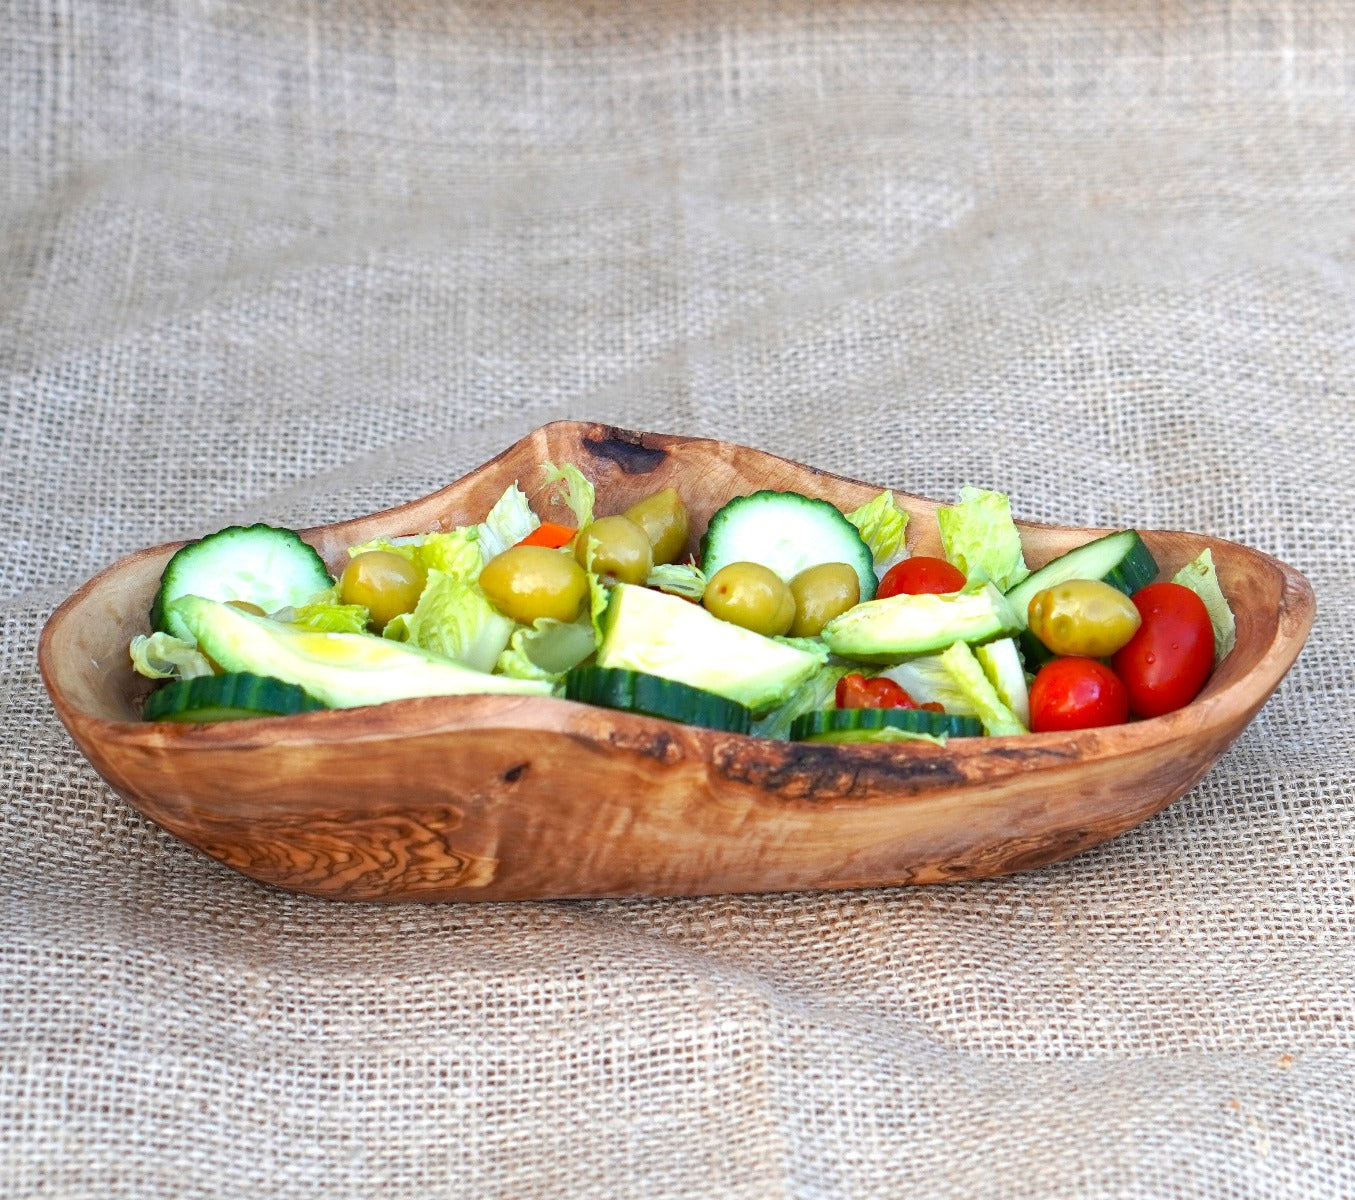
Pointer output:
x,y
1083,617
385,583
822,592
751,595
615,548
530,582
663,517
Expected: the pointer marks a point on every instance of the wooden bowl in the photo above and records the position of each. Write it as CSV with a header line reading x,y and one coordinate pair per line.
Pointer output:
x,y
507,798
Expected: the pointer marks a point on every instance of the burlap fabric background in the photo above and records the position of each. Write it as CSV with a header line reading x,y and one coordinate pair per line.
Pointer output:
x,y
295,261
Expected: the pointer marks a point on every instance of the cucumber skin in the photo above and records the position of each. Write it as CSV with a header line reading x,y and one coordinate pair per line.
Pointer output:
x,y
719,528
182,560
915,720
242,693
654,696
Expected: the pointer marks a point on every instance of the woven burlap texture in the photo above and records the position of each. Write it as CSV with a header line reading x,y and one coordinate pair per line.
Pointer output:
x,y
296,262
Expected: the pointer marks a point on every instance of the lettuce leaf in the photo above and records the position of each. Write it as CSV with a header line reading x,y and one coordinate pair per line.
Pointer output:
x,y
1201,577
979,536
679,579
955,680
324,613
163,656
816,693
572,490
455,552
507,523
881,524
454,618
547,649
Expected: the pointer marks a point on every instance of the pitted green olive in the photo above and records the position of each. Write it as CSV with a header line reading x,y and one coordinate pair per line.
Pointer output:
x,y
1083,617
821,593
616,548
664,519
385,583
528,582
751,595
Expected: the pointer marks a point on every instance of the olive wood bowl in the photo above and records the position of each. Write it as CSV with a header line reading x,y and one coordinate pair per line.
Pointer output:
x,y
509,798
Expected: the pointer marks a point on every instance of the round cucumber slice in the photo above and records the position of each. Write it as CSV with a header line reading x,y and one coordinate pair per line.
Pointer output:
x,y
236,696
788,533
857,724
634,691
267,566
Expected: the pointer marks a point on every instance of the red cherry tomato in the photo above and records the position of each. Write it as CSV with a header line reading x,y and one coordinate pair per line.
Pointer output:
x,y
856,691
918,575
1076,693
1165,664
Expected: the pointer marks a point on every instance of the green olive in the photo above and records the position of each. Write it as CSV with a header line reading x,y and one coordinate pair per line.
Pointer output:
x,y
385,583
664,519
1083,617
528,582
821,593
619,548
247,606
751,595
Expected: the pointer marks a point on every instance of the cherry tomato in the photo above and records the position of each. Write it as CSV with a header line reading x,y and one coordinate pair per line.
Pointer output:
x,y
856,691
1076,693
550,535
918,575
1165,664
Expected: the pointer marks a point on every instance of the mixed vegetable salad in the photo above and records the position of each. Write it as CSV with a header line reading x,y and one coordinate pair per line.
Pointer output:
x,y
793,620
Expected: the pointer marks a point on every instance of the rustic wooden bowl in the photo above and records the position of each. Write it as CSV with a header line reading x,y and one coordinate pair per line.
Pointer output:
x,y
504,798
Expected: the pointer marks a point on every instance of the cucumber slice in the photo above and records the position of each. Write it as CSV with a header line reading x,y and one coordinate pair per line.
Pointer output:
x,y
1119,559
233,697
635,691
270,567
786,532
856,724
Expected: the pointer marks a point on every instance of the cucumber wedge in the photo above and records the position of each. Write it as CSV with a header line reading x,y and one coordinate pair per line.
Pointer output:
x,y
857,724
233,697
267,566
786,532
634,691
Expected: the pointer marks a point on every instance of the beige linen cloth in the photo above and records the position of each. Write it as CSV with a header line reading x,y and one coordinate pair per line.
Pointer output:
x,y
296,261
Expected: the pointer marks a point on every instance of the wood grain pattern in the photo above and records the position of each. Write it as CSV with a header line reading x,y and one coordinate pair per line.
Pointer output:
x,y
500,798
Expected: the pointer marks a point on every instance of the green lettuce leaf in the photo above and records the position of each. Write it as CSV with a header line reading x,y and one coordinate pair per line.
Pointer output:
x,y
1201,577
881,524
454,618
955,680
455,552
816,693
163,656
324,613
572,490
507,523
547,649
679,579
979,536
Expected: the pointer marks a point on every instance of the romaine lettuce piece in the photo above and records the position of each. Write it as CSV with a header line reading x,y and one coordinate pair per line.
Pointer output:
x,y
679,579
454,618
507,523
979,536
881,524
816,693
955,680
455,552
164,656
572,490
1201,577
324,613
547,649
